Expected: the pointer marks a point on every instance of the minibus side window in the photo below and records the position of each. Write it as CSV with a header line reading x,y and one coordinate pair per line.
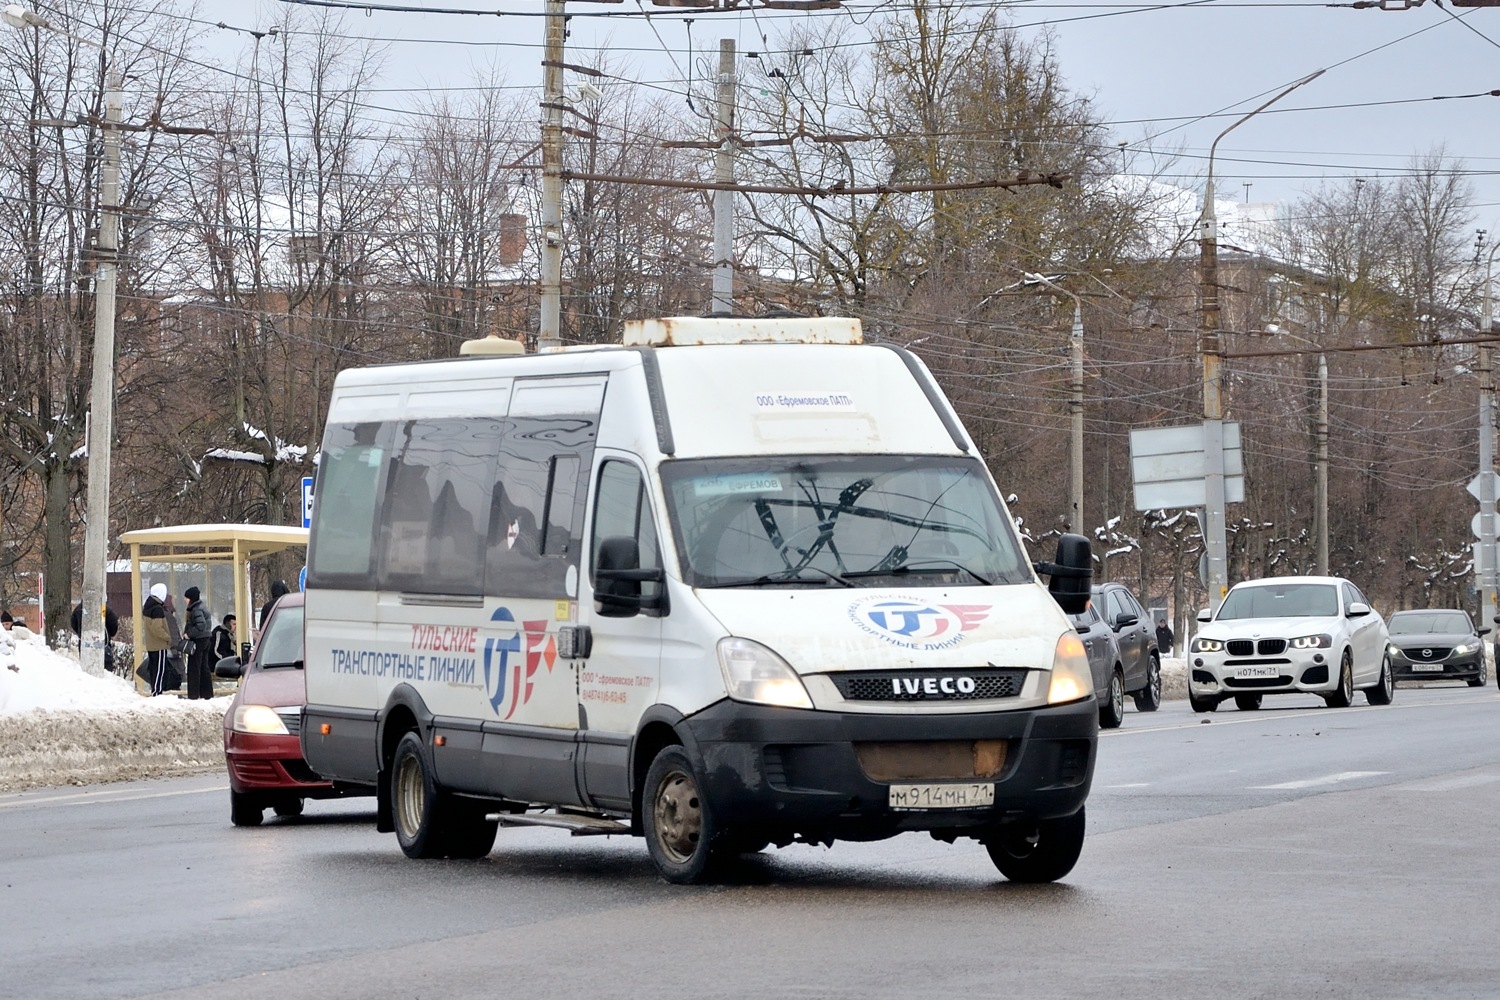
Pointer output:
x,y
558,537
346,516
622,509
534,532
437,504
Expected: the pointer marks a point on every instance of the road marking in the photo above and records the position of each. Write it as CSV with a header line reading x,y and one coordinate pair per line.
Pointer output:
x,y
1327,779
1453,784
1133,784
96,798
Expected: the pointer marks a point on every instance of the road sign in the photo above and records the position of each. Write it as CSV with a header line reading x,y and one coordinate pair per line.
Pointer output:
x,y
307,501
1478,481
1167,466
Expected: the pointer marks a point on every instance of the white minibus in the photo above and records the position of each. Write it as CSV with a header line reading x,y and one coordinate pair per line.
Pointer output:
x,y
729,584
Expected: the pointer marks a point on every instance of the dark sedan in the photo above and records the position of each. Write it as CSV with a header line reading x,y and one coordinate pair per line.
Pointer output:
x,y
1104,662
1437,645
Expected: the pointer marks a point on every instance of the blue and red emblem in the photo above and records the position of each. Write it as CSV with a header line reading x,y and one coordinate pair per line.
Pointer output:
x,y
502,656
912,623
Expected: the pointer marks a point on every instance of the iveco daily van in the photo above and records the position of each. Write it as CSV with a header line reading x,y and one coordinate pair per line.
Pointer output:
x,y
733,583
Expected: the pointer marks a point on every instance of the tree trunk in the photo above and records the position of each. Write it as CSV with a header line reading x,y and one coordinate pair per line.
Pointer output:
x,y
57,553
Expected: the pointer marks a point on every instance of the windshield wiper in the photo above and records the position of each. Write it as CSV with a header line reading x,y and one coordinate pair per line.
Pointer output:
x,y
908,568
294,664
788,575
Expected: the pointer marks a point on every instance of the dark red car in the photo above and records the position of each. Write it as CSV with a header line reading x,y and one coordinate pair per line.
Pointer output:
x,y
262,728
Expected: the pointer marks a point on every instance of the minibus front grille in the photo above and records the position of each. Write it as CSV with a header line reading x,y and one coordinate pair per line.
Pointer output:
x,y
931,685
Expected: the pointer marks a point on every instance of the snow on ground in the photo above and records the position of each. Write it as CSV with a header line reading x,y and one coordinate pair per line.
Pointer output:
x,y
62,725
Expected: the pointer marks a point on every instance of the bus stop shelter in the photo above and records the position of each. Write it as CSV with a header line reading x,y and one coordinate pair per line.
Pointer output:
x,y
185,554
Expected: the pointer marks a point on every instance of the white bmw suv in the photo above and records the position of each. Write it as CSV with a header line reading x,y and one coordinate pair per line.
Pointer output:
x,y
1315,634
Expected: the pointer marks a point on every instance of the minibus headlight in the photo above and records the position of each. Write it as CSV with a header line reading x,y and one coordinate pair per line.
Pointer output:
x,y
1071,677
258,719
755,674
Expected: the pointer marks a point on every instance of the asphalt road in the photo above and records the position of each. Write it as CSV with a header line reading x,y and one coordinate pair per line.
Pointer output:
x,y
1293,852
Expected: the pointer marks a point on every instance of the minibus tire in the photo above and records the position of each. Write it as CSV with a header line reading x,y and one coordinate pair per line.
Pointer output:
x,y
469,834
418,807
677,819
1043,852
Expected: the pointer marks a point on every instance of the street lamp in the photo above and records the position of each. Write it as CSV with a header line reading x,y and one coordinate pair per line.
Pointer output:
x,y
1075,403
1215,542
101,391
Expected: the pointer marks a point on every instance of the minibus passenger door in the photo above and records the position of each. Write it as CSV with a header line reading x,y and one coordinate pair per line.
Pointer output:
x,y
623,603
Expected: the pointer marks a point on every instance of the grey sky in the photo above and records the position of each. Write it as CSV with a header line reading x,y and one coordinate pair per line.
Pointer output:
x,y
1154,71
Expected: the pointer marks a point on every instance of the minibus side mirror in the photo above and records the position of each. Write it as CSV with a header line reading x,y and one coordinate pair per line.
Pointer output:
x,y
1072,573
618,577
229,666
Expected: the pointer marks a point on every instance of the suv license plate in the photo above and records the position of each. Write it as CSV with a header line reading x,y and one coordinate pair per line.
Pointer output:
x,y
973,796
1257,672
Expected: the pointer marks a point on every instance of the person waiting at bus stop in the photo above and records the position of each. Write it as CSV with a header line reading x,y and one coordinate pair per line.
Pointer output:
x,y
111,626
200,632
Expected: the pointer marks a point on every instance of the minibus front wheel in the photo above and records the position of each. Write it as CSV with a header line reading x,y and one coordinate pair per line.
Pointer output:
x,y
678,821
1042,851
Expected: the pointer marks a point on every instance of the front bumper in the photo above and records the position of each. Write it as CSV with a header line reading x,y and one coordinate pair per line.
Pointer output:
x,y
271,763
1311,670
790,772
1454,667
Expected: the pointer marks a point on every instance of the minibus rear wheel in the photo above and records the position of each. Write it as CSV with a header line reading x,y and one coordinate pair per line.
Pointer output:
x,y
430,822
678,821
1044,851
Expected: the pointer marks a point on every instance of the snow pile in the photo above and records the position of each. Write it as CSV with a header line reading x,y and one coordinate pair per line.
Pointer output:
x,y
62,725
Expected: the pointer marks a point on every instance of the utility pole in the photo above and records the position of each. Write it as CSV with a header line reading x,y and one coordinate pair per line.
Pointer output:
x,y
723,280
1322,480
1075,404
1215,540
92,635
1485,577
549,332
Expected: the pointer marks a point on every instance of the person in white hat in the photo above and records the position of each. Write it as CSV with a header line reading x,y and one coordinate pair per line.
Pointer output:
x,y
157,639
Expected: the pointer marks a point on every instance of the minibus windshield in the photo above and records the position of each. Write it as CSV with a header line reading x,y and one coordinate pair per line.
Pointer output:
x,y
828,521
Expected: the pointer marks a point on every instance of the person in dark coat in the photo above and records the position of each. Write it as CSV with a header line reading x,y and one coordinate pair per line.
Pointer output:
x,y
157,639
279,590
1164,637
200,631
111,626
224,639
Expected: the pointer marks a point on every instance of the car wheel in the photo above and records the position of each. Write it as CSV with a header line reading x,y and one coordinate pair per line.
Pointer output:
x,y
1037,852
1384,690
1209,704
245,809
1247,702
1484,675
1343,696
678,821
1112,709
1148,698
289,806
